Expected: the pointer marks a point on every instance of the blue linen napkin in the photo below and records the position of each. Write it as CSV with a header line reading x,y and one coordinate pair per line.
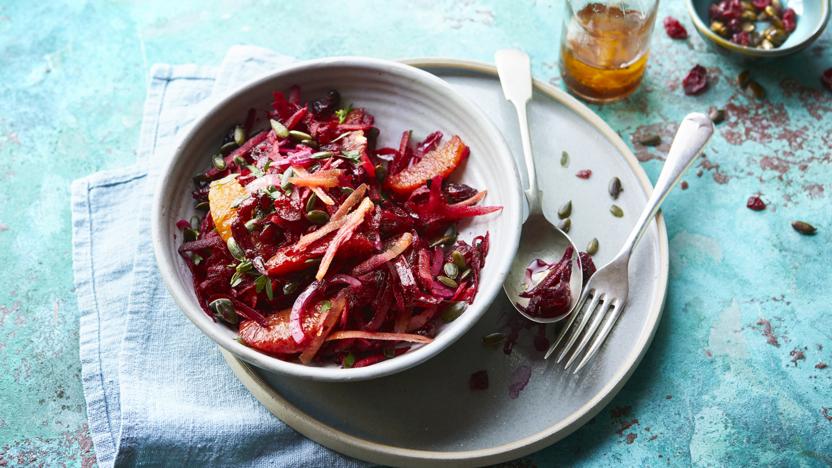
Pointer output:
x,y
158,392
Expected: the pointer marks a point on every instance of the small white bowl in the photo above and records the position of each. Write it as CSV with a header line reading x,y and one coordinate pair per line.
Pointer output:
x,y
400,97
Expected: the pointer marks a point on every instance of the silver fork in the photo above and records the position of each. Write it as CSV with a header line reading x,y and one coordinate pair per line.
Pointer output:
x,y
609,286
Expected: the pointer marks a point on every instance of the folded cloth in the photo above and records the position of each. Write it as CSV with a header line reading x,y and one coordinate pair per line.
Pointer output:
x,y
158,391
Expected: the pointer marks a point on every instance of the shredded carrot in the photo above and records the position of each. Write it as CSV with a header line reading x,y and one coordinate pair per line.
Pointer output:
x,y
399,246
349,334
352,221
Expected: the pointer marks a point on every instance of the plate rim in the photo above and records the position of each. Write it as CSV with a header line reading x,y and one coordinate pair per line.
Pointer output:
x,y
375,452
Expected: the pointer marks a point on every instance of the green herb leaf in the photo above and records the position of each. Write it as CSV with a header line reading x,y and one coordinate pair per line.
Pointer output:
x,y
352,155
269,288
343,113
260,283
254,170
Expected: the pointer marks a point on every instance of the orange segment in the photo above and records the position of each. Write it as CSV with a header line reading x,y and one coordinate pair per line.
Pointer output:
x,y
221,199
439,162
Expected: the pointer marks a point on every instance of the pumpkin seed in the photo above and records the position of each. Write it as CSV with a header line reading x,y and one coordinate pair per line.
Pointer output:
x,y
228,148
284,179
218,161
465,274
757,90
453,311
223,309
564,159
766,44
251,224
744,78
290,288
493,339
804,228
444,240
298,135
717,116
748,15
649,139
592,247
748,27
389,353
381,172
279,129
565,210
565,225
310,204
771,12
458,258
719,28
235,249
190,235
238,160
310,143
615,188
195,222
239,135
447,281
203,205
616,211
451,270
349,360
322,155
318,217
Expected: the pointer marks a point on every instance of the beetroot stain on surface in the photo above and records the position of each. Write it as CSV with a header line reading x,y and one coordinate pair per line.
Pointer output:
x,y
631,437
519,379
797,355
821,365
824,411
767,332
584,174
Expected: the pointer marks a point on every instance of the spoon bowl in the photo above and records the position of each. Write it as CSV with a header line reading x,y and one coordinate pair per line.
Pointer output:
x,y
539,239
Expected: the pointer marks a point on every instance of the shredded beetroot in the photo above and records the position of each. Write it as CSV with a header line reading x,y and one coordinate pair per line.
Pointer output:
x,y
696,80
755,203
313,255
674,28
550,297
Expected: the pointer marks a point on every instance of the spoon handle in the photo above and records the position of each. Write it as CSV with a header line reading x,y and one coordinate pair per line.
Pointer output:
x,y
694,132
514,69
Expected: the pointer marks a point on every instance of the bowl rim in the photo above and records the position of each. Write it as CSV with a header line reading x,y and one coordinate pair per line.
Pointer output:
x,y
705,31
512,208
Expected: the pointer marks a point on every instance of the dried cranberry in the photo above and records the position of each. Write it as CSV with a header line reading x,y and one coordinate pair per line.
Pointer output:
x,y
696,80
714,12
826,79
755,203
730,10
584,174
674,28
760,4
478,380
789,20
735,25
742,38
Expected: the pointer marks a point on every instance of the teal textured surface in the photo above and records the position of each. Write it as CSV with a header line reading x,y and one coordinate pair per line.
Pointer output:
x,y
717,387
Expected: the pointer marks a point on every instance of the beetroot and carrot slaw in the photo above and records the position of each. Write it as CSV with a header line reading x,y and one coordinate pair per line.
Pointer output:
x,y
320,247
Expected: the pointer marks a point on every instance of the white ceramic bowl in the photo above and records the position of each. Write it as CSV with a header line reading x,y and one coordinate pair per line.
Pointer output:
x,y
400,97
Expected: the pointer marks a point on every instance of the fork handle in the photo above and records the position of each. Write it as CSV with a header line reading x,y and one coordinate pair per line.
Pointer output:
x,y
694,132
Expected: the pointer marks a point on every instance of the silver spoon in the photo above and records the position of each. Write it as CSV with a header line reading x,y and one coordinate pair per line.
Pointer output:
x,y
539,239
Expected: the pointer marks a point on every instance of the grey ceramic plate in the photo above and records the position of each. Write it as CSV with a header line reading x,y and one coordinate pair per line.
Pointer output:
x,y
428,415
